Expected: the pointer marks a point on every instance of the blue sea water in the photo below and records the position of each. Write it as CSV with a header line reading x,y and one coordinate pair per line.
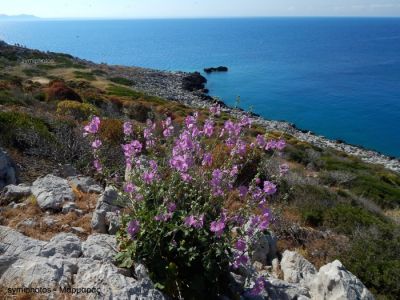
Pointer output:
x,y
339,77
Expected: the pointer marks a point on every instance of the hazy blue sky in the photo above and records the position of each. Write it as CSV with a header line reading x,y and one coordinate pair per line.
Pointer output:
x,y
199,8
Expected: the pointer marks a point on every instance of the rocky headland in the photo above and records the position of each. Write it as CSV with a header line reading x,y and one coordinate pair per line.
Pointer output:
x,y
189,89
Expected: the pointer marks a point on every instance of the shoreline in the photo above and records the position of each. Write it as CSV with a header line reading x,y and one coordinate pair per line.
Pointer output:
x,y
189,89
169,85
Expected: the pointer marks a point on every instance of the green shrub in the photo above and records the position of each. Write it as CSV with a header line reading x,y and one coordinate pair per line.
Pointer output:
x,y
384,189
375,259
345,218
122,80
31,72
124,92
24,132
77,110
85,75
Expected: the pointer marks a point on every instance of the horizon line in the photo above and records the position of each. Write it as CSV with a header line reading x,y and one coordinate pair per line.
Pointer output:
x,y
36,18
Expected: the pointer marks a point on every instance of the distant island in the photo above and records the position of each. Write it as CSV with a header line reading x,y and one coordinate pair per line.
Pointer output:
x,y
22,17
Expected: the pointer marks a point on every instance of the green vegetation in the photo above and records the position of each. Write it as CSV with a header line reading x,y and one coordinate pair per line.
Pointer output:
x,y
116,90
77,110
85,75
23,131
121,80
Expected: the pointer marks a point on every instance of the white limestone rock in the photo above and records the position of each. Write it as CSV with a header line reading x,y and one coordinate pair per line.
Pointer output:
x,y
52,191
295,268
333,281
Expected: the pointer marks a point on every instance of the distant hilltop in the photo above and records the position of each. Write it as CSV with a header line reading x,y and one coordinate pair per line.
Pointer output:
x,y
18,17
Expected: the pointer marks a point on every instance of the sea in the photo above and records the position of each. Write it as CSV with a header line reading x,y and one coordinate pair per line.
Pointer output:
x,y
337,77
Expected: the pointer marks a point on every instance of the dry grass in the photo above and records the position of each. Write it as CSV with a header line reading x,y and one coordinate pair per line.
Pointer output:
x,y
14,218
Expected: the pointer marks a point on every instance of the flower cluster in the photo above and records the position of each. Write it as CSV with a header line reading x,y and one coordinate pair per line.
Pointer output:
x,y
93,129
176,186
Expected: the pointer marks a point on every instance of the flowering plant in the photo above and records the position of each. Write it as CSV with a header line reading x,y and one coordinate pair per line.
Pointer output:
x,y
178,184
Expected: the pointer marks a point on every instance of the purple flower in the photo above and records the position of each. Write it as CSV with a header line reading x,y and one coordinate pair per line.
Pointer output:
x,y
207,159
163,217
190,221
128,128
280,144
245,121
270,145
96,144
168,128
190,121
215,110
208,128
186,177
240,260
216,181
260,140
133,228
269,188
181,162
97,165
217,227
243,190
259,287
171,207
234,171
194,221
240,245
129,187
93,126
148,177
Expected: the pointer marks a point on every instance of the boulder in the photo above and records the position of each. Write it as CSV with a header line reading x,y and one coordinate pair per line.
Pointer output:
x,y
100,247
113,282
85,184
14,193
282,290
259,248
51,191
38,272
60,263
14,243
64,245
8,170
105,217
333,281
295,268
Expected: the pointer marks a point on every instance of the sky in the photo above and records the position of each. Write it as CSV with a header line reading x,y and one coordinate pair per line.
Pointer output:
x,y
198,8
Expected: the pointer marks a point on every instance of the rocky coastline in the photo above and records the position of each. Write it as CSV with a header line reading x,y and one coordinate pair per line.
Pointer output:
x,y
190,89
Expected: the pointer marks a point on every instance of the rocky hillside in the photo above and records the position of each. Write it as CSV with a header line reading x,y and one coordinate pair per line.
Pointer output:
x,y
342,202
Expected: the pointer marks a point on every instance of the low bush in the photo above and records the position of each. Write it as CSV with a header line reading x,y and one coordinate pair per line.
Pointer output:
x,y
375,258
85,75
25,132
122,81
77,110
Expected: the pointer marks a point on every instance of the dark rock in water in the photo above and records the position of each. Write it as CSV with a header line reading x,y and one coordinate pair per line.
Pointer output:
x,y
218,69
194,82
